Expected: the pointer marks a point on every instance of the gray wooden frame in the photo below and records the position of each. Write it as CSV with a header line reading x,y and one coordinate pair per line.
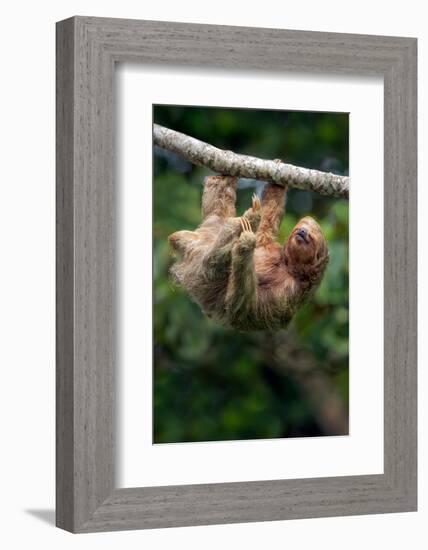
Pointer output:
x,y
87,50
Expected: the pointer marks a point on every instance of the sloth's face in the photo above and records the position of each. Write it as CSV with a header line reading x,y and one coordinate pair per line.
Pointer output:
x,y
306,245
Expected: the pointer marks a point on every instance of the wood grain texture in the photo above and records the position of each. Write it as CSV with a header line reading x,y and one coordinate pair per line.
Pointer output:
x,y
64,278
87,49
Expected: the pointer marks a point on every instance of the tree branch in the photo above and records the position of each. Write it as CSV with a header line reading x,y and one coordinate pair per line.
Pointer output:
x,y
230,163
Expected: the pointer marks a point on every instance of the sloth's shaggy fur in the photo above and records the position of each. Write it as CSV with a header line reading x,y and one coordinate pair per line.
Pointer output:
x,y
233,268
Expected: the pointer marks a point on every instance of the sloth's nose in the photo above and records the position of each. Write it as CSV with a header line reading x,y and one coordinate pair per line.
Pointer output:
x,y
302,232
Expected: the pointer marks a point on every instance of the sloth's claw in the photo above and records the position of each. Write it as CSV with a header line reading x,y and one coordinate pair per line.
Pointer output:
x,y
245,225
256,203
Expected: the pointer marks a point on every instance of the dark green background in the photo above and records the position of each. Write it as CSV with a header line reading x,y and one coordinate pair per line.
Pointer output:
x,y
211,383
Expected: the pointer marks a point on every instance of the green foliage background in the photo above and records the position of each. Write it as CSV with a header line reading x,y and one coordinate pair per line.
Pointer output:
x,y
211,383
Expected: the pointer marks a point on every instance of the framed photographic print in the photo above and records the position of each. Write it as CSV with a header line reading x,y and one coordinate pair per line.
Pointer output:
x,y
236,274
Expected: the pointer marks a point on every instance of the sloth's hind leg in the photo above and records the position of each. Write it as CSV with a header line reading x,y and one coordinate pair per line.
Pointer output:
x,y
180,240
219,197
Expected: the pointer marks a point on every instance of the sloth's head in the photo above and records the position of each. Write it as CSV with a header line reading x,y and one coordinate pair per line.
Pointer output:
x,y
306,250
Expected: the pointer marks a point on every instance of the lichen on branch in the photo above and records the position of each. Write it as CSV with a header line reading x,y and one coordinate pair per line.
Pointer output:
x,y
243,166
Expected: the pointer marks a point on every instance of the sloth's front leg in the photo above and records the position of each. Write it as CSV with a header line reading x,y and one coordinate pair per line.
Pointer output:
x,y
217,259
254,213
241,297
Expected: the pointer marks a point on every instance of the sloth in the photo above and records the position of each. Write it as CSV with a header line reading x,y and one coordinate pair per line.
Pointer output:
x,y
234,269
